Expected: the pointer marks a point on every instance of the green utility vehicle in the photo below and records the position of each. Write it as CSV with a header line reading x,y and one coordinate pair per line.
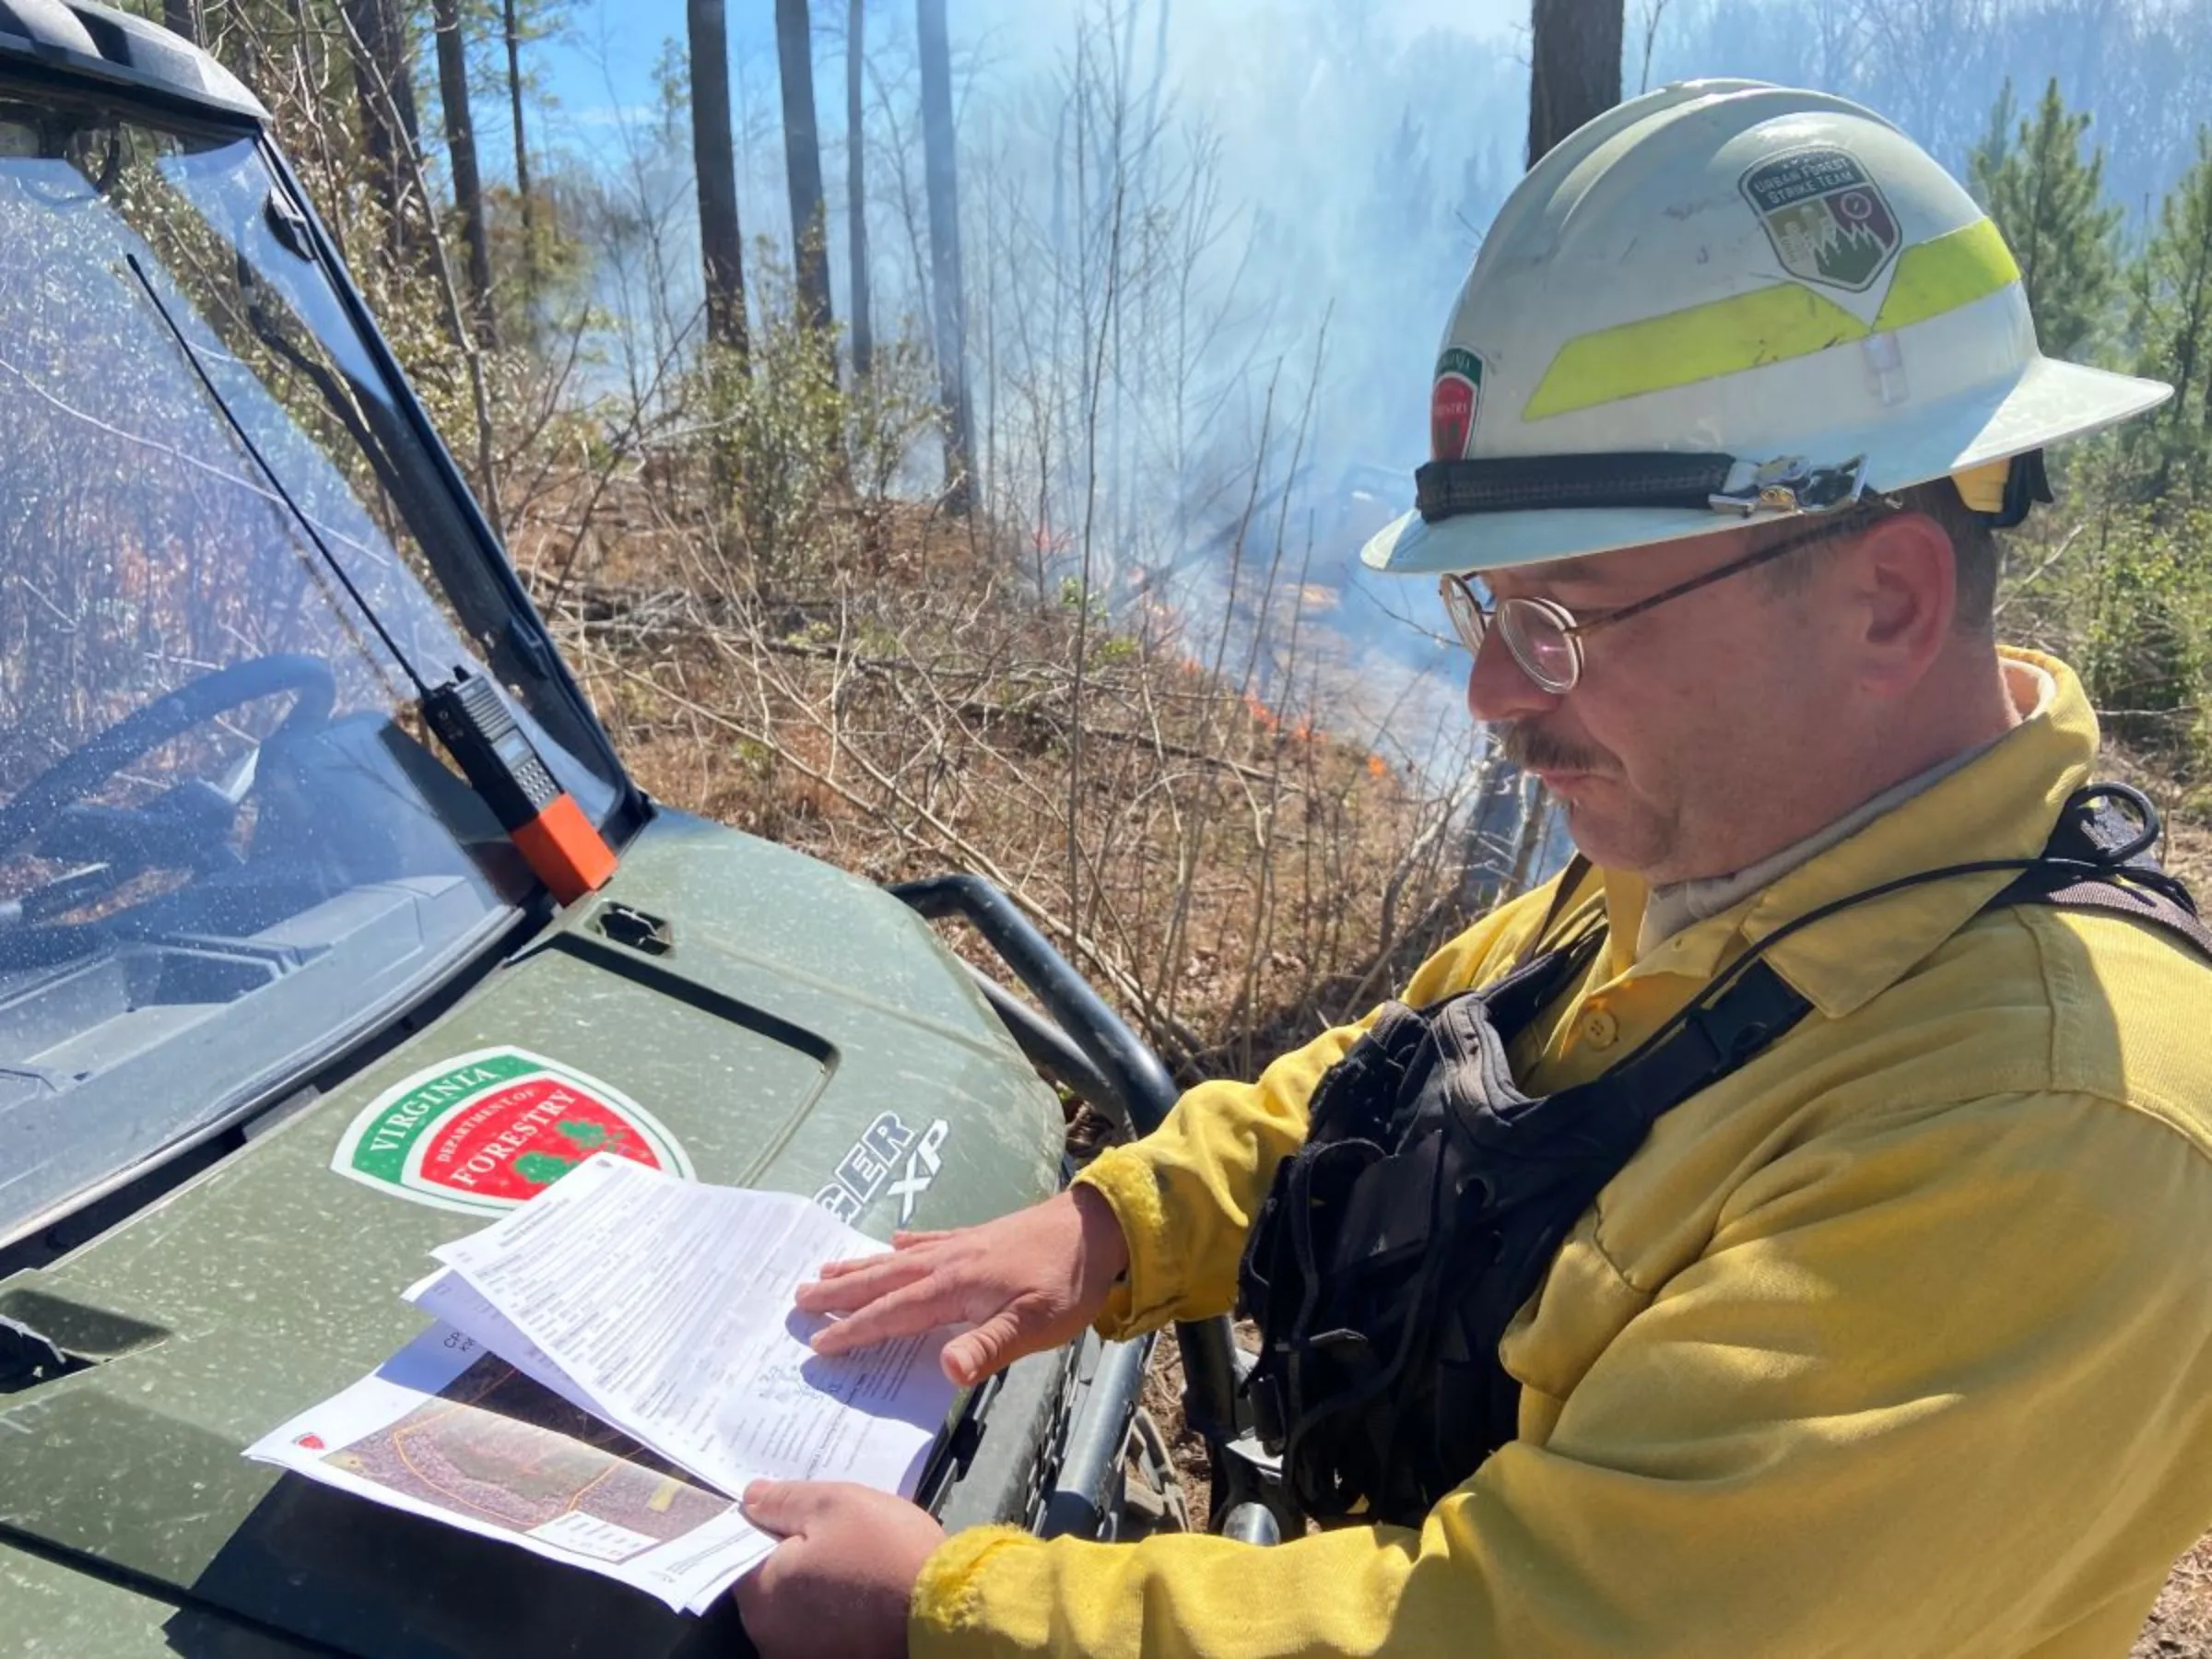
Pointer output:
x,y
285,977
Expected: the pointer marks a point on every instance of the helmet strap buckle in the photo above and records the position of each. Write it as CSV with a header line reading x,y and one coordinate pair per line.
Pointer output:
x,y
1789,484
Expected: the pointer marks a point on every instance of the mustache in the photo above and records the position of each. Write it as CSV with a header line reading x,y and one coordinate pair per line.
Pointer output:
x,y
1533,749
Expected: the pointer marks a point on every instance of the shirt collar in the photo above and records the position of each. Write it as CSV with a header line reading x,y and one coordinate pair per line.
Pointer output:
x,y
1669,909
1999,806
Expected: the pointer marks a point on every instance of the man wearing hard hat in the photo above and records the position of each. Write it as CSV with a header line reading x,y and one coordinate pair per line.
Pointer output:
x,y
1789,1232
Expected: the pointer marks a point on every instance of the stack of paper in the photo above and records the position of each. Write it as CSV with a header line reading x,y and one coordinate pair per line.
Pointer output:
x,y
611,1363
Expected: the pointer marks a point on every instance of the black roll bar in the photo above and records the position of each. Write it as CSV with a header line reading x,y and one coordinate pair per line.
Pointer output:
x,y
1139,1092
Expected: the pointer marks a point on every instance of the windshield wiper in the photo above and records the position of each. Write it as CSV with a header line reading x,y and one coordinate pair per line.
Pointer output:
x,y
360,421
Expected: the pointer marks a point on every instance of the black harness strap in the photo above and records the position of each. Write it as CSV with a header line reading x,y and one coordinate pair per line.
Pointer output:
x,y
1429,1201
2102,856
2155,908
1570,880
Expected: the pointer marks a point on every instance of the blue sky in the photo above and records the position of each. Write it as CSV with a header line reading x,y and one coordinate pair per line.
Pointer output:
x,y
606,64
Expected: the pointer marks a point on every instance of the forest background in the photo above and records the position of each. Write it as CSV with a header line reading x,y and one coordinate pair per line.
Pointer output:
x,y
942,434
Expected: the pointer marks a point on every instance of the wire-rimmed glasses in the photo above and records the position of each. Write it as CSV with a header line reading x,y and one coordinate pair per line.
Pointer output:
x,y
1544,636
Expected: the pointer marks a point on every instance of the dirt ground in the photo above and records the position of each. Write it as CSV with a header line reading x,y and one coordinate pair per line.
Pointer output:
x,y
2180,1625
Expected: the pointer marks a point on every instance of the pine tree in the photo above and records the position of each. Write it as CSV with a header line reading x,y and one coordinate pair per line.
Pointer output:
x,y
941,173
1574,68
383,77
520,23
460,150
2050,204
722,245
857,192
803,170
2172,325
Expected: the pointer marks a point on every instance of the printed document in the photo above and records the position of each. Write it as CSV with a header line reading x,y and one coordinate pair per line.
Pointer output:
x,y
668,1304
612,1364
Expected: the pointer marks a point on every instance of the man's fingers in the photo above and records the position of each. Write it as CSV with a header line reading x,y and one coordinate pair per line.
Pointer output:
x,y
974,1355
830,1270
906,1312
782,1507
900,1241
901,1268
856,1283
790,1507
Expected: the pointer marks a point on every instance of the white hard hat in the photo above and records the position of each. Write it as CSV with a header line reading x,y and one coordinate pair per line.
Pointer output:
x,y
1722,299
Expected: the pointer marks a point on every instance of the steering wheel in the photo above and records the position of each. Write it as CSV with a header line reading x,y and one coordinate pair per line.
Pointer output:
x,y
39,804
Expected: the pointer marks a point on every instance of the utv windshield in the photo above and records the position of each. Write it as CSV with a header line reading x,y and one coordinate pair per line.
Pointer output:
x,y
225,845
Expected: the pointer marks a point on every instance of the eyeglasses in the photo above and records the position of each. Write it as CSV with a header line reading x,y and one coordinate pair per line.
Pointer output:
x,y
1547,640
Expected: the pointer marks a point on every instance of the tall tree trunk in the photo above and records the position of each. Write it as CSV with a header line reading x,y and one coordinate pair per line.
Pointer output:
x,y
461,146
522,148
385,87
1574,68
938,161
803,169
856,196
1574,76
721,248
183,17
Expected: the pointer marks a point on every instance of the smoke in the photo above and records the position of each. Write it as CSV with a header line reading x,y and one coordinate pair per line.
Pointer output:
x,y
1211,245
1935,67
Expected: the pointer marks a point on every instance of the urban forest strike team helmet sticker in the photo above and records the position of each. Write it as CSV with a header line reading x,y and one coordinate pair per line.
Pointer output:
x,y
1829,222
1452,404
484,1132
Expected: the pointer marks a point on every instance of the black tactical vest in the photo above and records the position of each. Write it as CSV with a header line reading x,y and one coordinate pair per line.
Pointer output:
x,y
1430,1195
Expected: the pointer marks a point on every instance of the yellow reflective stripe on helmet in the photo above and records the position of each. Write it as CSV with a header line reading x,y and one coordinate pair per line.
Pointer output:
x,y
1945,273
1767,325
1720,337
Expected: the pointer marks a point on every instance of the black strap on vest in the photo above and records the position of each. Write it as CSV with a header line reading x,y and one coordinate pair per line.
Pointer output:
x,y
1431,1195
2102,856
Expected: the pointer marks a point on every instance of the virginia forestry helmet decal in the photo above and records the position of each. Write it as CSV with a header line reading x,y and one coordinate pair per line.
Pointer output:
x,y
1829,221
1454,405
485,1131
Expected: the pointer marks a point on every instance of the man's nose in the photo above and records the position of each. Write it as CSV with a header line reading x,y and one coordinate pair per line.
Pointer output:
x,y
1500,688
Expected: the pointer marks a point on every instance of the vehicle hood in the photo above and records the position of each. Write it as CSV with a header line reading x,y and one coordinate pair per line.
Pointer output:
x,y
757,1017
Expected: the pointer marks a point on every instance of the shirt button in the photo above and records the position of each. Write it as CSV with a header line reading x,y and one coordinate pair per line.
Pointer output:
x,y
1600,1029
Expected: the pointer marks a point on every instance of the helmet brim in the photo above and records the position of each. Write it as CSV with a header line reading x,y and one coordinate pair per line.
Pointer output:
x,y
2047,402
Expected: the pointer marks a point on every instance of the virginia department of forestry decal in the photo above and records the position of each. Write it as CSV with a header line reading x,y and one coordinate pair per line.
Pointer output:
x,y
1826,218
1453,404
485,1131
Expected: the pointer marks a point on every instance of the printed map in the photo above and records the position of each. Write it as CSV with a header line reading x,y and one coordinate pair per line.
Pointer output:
x,y
500,1447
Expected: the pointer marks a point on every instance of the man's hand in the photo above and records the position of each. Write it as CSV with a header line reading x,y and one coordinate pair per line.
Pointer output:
x,y
839,1583
1026,1282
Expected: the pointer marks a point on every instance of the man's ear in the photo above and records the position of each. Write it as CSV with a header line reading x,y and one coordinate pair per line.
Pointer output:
x,y
1905,596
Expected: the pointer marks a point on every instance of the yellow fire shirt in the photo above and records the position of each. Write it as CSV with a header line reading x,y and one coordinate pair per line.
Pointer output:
x,y
1897,1341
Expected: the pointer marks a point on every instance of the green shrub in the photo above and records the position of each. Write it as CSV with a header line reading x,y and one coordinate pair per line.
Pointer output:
x,y
2124,593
